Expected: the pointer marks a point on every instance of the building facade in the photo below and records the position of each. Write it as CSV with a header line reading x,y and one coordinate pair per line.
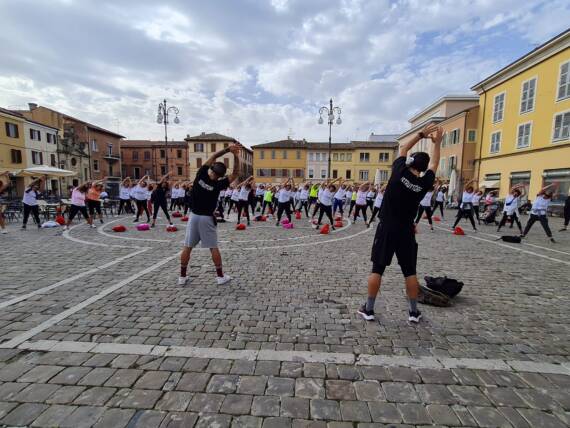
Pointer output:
x,y
372,160
145,157
13,156
524,122
41,149
202,147
276,161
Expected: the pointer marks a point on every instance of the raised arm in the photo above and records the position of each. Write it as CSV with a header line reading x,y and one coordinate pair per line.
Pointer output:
x,y
164,178
424,133
126,181
143,179
436,136
544,189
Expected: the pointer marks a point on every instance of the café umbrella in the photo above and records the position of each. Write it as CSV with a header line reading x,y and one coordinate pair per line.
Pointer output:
x,y
50,171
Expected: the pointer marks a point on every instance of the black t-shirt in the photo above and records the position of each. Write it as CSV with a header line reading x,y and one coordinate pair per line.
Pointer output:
x,y
159,194
205,192
404,193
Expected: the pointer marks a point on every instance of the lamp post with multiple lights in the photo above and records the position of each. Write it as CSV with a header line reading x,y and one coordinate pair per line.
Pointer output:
x,y
330,111
162,117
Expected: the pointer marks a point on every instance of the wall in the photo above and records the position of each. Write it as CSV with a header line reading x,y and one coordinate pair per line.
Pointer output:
x,y
7,144
290,163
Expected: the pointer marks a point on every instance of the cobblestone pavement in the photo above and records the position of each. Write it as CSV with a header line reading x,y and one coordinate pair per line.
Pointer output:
x,y
94,331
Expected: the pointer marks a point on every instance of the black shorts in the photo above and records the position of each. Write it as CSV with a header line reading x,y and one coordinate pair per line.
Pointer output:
x,y
93,206
394,239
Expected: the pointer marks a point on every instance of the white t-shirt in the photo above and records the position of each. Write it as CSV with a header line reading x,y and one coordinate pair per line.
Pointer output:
x,y
304,195
244,194
124,192
540,205
235,194
475,199
340,194
440,197
360,198
467,198
139,193
284,196
320,193
348,195
378,200
326,197
370,195
104,195
259,191
77,198
228,193
426,201
511,204
30,197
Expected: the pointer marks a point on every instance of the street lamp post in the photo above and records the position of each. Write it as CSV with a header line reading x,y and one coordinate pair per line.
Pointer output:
x,y
330,112
162,117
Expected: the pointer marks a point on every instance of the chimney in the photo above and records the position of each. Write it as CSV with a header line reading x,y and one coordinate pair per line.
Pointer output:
x,y
203,133
32,106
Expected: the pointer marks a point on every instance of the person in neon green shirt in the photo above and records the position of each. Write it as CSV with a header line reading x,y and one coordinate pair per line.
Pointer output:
x,y
268,200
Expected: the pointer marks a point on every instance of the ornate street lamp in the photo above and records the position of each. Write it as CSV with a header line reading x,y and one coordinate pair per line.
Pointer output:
x,y
330,111
162,117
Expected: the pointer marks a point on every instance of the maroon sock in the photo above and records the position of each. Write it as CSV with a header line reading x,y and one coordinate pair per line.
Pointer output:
x,y
183,270
219,271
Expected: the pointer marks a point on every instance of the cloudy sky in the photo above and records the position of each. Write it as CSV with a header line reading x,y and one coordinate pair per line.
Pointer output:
x,y
259,70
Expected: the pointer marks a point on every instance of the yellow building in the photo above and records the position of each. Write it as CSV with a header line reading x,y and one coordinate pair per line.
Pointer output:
x,y
12,148
274,162
524,121
372,160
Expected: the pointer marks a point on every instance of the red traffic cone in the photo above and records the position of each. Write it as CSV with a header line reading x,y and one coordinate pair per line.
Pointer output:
x,y
240,226
325,230
458,231
436,218
119,228
338,218
338,224
298,215
171,228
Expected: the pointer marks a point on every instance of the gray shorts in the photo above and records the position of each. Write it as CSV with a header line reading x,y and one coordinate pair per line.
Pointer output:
x,y
201,228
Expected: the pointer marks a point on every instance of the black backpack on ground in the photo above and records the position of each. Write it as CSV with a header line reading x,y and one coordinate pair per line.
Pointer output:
x,y
511,238
439,291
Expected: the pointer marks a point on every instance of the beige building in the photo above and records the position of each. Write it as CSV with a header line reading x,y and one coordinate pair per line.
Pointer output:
x,y
201,147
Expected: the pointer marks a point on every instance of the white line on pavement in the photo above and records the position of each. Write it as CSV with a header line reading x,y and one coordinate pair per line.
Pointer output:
x,y
70,279
63,315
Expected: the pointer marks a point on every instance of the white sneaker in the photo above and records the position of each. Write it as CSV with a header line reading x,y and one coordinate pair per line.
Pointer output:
x,y
223,279
66,227
182,280
3,231
93,226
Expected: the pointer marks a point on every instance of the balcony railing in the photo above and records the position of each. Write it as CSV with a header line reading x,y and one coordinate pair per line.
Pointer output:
x,y
112,157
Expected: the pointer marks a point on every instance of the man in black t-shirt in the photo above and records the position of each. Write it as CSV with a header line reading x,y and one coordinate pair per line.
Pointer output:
x,y
412,176
210,180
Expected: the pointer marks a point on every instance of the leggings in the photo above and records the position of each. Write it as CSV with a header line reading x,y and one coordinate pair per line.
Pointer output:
x,y
75,209
283,206
317,206
188,206
514,218
428,212
326,209
34,210
370,204
161,204
265,205
338,204
174,202
304,204
476,211
464,213
232,203
358,210
126,203
243,207
142,206
440,205
566,215
543,221
375,212
352,203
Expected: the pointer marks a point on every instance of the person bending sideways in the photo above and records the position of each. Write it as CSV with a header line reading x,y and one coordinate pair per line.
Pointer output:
x,y
412,177
201,227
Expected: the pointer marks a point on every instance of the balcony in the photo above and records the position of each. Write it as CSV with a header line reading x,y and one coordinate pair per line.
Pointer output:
x,y
112,157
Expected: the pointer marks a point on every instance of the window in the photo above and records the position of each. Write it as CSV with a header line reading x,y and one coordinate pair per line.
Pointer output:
x,y
179,155
284,172
317,157
452,163
272,154
335,173
135,155
37,158
163,170
311,156
85,174
444,139
311,173
495,142
273,172
342,157
137,172
261,154
441,168
111,170
94,147
73,161
349,157
335,157
561,126
564,81
35,135
498,107
523,135
198,147
383,175
147,172
527,95
53,160
384,157
298,173
50,138
179,170
363,175
95,165
198,162
284,154
323,173
213,147
298,154
471,135
162,154
12,130
348,174
365,157
453,137
146,155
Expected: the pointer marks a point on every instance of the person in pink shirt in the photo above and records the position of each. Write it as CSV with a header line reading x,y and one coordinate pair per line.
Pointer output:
x,y
78,204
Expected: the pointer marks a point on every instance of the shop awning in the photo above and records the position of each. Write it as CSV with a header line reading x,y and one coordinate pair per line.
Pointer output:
x,y
490,184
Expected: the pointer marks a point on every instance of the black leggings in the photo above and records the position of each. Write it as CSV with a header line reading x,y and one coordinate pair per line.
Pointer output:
x,y
126,203
265,205
465,213
232,203
317,206
375,212
543,221
161,204
93,206
304,204
440,205
34,210
358,209
75,209
142,206
514,217
352,203
243,207
326,209
566,215
283,206
476,211
428,212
